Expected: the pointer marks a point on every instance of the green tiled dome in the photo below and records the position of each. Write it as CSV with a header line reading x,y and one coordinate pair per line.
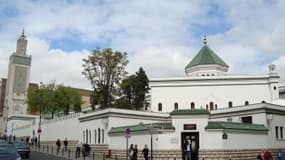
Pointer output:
x,y
206,56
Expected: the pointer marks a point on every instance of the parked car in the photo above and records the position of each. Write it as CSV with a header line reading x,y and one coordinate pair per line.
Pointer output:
x,y
23,149
8,151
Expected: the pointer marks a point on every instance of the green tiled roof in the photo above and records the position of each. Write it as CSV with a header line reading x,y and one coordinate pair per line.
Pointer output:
x,y
141,127
189,112
235,126
206,56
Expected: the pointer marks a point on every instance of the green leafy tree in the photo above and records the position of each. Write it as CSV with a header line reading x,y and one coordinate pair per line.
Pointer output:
x,y
51,99
68,99
133,90
34,100
105,70
141,87
42,100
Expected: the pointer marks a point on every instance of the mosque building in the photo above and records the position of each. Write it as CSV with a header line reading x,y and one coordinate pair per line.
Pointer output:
x,y
223,116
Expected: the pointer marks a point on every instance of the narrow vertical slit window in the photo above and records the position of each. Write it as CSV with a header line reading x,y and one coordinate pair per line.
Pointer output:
x,y
276,132
99,136
281,132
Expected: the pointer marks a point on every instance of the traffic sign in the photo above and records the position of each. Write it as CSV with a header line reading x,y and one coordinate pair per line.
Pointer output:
x,y
127,132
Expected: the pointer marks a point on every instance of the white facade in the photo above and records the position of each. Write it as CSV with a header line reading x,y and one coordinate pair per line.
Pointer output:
x,y
220,90
216,112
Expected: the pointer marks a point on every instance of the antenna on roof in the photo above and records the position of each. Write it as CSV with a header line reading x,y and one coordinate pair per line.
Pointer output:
x,y
23,32
205,40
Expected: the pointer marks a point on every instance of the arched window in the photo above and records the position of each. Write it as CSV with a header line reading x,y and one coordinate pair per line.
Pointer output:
x,y
207,107
159,106
246,103
99,136
103,136
211,106
230,104
95,136
192,105
175,105
216,106
263,101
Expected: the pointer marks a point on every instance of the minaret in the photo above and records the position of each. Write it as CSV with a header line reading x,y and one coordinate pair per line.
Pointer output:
x,y
22,44
18,78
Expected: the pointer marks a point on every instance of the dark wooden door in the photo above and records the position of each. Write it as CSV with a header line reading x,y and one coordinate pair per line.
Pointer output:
x,y
194,139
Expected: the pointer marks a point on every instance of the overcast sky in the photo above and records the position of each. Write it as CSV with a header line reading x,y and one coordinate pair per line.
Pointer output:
x,y
162,36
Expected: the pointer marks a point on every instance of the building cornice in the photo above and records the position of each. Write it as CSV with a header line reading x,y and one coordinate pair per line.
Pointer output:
x,y
267,108
123,113
214,81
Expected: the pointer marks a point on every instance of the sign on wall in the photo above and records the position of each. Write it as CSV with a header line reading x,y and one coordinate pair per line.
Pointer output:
x,y
189,127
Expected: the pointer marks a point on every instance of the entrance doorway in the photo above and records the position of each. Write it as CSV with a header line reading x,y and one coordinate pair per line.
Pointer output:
x,y
194,140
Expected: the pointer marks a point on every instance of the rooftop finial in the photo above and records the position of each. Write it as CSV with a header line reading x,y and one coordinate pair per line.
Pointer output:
x,y
205,40
23,33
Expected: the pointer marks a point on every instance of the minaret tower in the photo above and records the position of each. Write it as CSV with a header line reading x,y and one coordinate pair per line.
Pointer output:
x,y
18,79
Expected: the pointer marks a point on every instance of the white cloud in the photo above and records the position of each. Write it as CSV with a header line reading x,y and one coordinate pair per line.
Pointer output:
x,y
161,61
55,64
161,36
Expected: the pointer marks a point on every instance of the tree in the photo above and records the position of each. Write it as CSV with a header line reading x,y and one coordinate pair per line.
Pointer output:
x,y
134,89
141,88
51,99
68,98
105,70
34,100
42,100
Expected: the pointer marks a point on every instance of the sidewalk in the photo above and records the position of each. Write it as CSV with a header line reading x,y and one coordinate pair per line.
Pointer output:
x,y
70,155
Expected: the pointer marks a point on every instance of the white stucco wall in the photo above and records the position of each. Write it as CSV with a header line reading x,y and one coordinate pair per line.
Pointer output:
x,y
65,128
202,91
239,140
276,120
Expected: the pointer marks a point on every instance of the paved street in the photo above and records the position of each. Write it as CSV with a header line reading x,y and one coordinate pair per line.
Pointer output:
x,y
42,156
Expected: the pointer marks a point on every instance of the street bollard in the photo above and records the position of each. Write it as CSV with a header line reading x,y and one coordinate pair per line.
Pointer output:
x,y
116,157
103,156
47,148
51,149
62,152
93,155
68,153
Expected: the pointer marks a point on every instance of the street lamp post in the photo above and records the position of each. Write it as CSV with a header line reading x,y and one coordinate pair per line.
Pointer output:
x,y
6,121
127,135
12,131
151,128
39,131
151,147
